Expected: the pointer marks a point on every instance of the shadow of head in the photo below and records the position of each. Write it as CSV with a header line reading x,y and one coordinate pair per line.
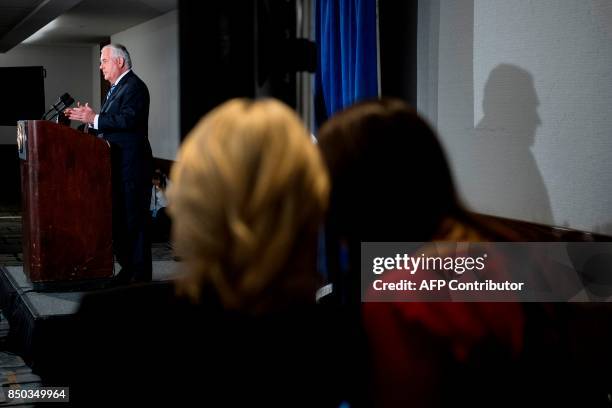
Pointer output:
x,y
510,101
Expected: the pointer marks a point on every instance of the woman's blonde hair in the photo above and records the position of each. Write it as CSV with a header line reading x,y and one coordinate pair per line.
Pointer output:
x,y
249,191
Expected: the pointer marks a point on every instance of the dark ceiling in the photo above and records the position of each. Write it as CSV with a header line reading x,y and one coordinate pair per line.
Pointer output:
x,y
62,22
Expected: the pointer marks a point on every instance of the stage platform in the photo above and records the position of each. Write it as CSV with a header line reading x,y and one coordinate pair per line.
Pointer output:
x,y
39,321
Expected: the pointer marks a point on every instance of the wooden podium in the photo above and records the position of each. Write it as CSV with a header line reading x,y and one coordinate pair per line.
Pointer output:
x,y
67,205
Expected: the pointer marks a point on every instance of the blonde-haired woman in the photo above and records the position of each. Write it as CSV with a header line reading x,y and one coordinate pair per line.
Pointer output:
x,y
249,192
248,196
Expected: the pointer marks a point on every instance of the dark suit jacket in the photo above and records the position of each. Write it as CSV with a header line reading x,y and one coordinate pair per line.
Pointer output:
x,y
125,115
123,121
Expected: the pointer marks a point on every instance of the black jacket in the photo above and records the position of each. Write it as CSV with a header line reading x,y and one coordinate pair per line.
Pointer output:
x,y
144,345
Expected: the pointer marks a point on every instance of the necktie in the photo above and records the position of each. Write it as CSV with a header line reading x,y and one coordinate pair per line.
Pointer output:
x,y
110,92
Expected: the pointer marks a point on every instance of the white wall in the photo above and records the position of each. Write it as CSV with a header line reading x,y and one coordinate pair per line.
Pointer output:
x,y
68,70
521,94
153,47
95,75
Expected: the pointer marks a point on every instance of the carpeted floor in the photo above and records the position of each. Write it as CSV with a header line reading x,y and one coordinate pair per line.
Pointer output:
x,y
10,239
14,373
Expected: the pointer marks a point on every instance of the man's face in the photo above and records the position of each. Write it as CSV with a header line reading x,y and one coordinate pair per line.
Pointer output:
x,y
111,67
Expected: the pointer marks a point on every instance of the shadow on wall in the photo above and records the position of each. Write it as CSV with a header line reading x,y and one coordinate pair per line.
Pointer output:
x,y
509,181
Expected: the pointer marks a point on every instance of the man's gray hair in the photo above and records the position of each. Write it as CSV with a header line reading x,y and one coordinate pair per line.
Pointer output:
x,y
119,50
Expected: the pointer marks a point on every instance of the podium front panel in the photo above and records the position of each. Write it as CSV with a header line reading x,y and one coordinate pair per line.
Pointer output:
x,y
67,204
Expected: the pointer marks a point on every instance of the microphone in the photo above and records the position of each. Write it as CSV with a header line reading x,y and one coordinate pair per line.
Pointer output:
x,y
62,103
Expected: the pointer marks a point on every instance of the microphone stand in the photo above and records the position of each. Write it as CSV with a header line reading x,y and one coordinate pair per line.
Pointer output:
x,y
53,108
56,114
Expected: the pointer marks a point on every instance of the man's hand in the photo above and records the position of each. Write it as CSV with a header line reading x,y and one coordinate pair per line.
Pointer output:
x,y
81,113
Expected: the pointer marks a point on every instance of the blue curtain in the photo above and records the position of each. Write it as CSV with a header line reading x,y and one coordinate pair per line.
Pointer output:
x,y
346,63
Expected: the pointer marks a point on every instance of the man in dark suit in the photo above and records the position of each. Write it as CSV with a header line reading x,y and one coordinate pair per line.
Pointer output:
x,y
123,122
